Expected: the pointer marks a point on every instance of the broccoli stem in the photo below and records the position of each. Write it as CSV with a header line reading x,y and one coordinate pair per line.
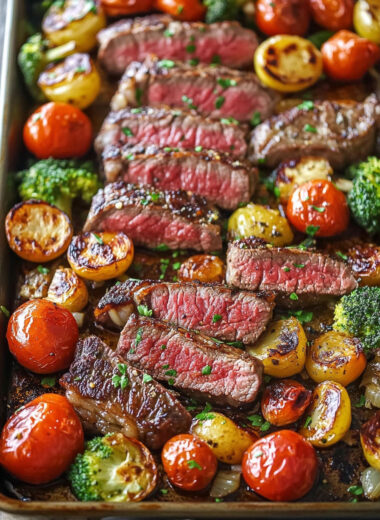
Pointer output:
x,y
57,53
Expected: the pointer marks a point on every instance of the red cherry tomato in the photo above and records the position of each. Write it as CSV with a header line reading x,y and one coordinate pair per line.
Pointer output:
x,y
347,57
42,336
333,14
40,441
318,208
281,466
283,17
58,130
186,10
284,402
126,7
188,462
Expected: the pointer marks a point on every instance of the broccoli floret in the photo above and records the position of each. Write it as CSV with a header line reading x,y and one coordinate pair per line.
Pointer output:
x,y
33,58
364,198
219,10
59,182
358,314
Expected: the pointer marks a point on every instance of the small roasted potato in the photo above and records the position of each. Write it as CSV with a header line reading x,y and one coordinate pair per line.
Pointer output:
x,y
68,290
288,63
74,80
370,440
284,402
291,174
227,440
35,283
203,268
37,231
259,221
364,260
100,256
335,356
328,417
282,348
74,20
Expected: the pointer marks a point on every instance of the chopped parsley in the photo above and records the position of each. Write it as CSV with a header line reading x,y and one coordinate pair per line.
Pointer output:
x,y
189,102
355,490
121,380
176,265
147,378
256,119
216,318
361,402
341,255
261,161
166,64
154,196
127,131
43,270
216,60
136,110
190,48
300,266
168,33
163,347
144,310
302,316
138,337
265,426
312,230
98,239
48,381
179,9
307,422
198,148
164,264
318,208
194,464
310,128
139,94
164,491
306,105
226,83
255,420
217,499
293,296
219,102
193,62
162,247
171,372
205,414
286,269
206,370
229,121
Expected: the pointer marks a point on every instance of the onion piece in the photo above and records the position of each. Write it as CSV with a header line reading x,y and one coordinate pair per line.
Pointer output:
x,y
370,479
225,483
371,381
79,318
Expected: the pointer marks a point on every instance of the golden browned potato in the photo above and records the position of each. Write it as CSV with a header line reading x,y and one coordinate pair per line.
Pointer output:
x,y
282,348
204,268
68,290
74,80
370,440
328,417
100,256
37,231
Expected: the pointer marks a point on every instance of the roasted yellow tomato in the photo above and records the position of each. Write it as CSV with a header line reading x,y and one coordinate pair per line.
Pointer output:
x,y
259,221
74,20
100,256
227,440
204,268
68,290
370,440
74,80
288,63
367,19
282,348
328,417
37,231
335,356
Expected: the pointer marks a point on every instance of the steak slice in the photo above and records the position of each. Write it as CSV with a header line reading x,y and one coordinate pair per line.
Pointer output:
x,y
287,271
341,132
213,91
213,309
174,128
191,362
134,39
175,219
133,406
222,180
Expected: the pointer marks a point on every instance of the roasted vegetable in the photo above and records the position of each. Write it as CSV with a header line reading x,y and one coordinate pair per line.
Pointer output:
x,y
358,314
370,440
333,15
59,182
68,290
219,10
284,402
370,479
282,17
225,483
367,19
33,58
204,268
74,20
37,231
186,10
113,468
364,198
74,80
371,382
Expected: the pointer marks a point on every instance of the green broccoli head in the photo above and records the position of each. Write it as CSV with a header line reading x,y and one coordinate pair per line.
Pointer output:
x,y
358,314
219,10
364,198
59,182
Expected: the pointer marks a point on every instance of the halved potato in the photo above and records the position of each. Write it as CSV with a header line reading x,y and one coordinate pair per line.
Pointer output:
x,y
370,440
37,231
282,348
204,268
288,63
74,80
68,290
335,356
100,256
328,417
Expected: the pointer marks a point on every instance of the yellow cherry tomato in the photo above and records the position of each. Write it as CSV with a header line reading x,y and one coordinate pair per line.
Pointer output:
x,y
370,440
68,290
367,19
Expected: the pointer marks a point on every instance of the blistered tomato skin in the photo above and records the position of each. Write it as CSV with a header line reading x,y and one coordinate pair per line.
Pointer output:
x,y
188,462
186,10
40,441
204,268
284,402
282,17
333,14
370,440
281,466
42,336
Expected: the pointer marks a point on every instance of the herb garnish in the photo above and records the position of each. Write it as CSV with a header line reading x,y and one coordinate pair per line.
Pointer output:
x,y
144,310
256,119
219,102
205,414
306,105
193,464
147,378
127,131
98,238
43,270
312,230
206,370
293,296
48,381
310,128
226,83
216,318
121,380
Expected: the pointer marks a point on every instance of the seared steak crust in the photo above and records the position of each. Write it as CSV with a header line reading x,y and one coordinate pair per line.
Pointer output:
x,y
341,132
134,39
173,218
143,409
191,362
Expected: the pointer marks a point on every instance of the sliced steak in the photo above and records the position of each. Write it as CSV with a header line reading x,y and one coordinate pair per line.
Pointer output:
x,y
131,405
287,271
341,132
175,219
191,362
213,309
222,180
174,128
213,91
134,39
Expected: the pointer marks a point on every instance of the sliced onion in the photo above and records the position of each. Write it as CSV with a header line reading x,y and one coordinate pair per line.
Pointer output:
x,y
79,318
371,381
370,479
343,184
225,483
120,315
